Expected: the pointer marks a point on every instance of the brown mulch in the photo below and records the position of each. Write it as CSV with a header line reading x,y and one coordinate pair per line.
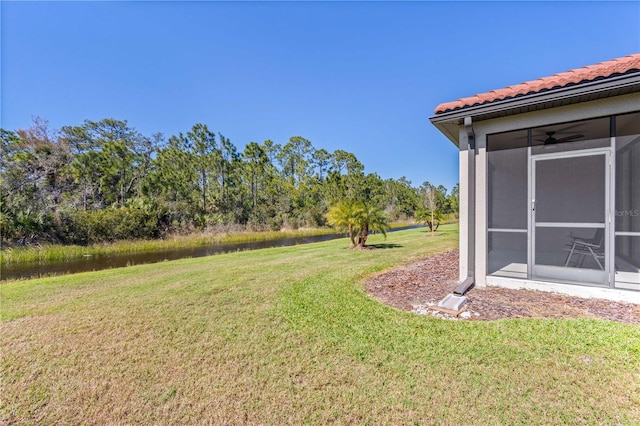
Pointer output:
x,y
419,286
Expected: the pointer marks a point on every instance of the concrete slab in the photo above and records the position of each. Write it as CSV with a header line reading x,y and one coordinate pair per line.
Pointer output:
x,y
453,302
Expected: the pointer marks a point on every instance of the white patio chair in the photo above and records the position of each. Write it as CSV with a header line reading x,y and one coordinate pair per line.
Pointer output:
x,y
584,248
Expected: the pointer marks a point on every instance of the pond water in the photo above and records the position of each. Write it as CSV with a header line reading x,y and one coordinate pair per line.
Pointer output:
x,y
96,263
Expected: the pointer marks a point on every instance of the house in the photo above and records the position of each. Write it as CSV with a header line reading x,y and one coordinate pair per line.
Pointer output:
x,y
550,182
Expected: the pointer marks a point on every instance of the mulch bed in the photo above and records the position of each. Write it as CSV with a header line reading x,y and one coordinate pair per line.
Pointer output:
x,y
419,286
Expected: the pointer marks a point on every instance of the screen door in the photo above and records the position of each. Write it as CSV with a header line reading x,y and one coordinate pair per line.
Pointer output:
x,y
569,212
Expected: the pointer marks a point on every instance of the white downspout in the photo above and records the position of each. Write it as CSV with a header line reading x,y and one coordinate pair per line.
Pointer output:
x,y
468,282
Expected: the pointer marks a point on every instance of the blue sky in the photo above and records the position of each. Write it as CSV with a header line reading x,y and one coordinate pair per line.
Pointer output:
x,y
358,76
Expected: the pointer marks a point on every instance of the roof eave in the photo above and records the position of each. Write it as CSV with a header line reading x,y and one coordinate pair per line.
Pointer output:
x,y
443,121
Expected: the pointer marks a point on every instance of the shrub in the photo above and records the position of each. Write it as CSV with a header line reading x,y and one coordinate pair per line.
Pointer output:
x,y
89,227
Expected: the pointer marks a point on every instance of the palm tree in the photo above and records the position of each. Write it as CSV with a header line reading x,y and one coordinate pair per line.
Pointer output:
x,y
342,217
358,219
432,218
369,219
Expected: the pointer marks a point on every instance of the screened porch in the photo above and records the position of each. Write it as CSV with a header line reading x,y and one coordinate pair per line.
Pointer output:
x,y
564,203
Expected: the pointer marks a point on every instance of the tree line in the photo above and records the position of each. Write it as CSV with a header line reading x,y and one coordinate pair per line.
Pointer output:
x,y
105,181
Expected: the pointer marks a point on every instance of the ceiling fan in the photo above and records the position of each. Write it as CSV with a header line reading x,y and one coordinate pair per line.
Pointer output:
x,y
550,140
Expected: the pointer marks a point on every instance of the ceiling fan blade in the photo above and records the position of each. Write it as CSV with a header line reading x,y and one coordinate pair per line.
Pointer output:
x,y
569,138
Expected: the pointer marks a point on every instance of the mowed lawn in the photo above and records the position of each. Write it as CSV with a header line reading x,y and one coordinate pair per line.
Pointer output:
x,y
288,335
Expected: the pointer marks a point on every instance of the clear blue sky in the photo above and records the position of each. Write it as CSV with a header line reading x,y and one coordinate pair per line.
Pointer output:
x,y
358,76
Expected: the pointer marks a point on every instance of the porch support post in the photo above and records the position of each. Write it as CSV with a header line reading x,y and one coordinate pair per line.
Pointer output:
x,y
611,208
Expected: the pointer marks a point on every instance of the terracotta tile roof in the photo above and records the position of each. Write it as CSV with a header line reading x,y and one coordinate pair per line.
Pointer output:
x,y
614,67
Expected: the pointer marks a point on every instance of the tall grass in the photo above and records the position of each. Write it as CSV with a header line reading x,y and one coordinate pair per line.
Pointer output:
x,y
53,252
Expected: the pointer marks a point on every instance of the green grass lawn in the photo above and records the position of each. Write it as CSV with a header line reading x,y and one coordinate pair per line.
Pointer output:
x,y
287,335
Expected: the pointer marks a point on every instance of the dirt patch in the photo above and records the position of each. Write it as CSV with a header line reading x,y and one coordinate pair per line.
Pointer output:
x,y
419,286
